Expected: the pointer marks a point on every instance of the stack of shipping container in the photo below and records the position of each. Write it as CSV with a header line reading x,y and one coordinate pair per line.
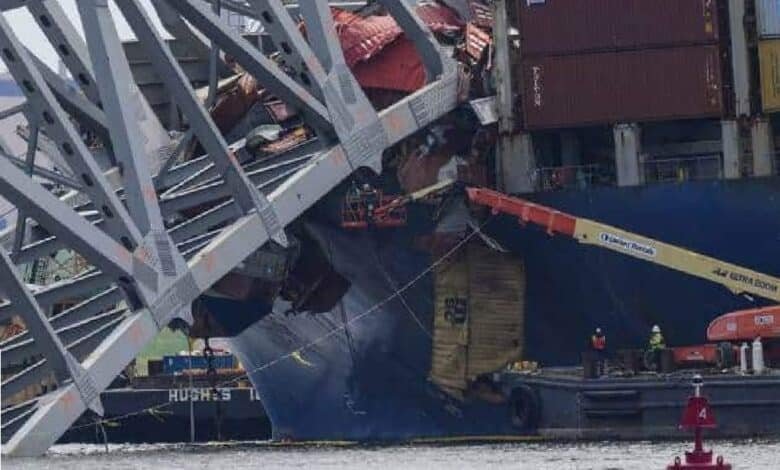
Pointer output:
x,y
768,13
599,62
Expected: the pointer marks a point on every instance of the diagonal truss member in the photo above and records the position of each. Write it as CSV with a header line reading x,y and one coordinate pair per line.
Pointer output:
x,y
125,215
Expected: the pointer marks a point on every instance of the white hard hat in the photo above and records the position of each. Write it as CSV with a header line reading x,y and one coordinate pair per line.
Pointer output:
x,y
598,330
656,329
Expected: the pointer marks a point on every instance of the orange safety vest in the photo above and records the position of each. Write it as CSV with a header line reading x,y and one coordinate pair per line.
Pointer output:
x,y
599,343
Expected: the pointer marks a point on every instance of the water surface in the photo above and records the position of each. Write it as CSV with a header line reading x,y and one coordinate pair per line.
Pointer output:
x,y
746,454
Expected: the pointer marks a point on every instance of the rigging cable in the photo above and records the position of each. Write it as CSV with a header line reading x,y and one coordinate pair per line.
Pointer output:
x,y
373,309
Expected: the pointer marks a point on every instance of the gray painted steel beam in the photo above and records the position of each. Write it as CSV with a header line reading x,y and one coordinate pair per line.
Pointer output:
x,y
12,111
12,424
179,29
216,6
53,293
29,164
211,139
66,42
210,173
26,307
72,50
162,177
254,62
14,411
54,119
34,374
209,192
62,221
82,109
297,54
80,349
44,173
26,349
86,309
419,33
62,363
6,5
116,92
354,118
216,253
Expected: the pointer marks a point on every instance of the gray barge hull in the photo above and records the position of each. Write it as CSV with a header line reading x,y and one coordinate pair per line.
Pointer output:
x,y
645,407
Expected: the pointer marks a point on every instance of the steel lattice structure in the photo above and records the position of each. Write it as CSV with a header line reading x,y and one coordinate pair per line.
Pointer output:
x,y
145,270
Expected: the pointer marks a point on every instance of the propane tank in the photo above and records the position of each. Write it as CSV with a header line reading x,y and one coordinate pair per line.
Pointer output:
x,y
743,358
758,356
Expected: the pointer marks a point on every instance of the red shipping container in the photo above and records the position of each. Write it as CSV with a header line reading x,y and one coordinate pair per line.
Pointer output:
x,y
648,85
554,27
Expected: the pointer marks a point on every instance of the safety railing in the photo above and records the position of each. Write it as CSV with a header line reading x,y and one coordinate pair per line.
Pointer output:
x,y
683,169
573,177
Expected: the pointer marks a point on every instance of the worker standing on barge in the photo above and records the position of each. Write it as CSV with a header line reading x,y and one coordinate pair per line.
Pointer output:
x,y
598,343
656,344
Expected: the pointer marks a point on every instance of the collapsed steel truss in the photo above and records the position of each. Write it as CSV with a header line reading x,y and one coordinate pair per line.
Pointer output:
x,y
146,271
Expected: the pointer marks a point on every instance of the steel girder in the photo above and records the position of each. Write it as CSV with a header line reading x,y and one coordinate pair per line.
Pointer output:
x,y
148,260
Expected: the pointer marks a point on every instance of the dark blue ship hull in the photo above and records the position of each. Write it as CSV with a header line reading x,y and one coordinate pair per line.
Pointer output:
x,y
368,380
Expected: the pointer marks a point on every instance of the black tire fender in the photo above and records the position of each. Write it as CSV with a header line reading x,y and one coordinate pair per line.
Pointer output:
x,y
524,407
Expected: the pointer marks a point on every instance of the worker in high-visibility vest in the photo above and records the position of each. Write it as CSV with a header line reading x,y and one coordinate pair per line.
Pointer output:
x,y
598,343
656,343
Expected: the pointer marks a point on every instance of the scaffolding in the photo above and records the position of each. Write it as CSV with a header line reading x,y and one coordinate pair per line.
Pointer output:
x,y
147,257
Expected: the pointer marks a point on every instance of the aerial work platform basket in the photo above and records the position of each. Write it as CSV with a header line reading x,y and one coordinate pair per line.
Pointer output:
x,y
359,212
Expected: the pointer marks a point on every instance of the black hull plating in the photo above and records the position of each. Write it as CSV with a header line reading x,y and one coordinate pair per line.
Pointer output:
x,y
369,381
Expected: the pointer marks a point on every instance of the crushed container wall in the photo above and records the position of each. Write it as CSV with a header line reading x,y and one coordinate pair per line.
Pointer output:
x,y
551,27
450,335
497,298
769,60
631,86
478,322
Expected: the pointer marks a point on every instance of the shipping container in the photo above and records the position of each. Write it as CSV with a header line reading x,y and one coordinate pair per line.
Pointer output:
x,y
555,27
178,364
769,60
768,12
636,86
479,321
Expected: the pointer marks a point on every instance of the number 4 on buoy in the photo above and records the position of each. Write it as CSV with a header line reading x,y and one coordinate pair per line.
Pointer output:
x,y
698,416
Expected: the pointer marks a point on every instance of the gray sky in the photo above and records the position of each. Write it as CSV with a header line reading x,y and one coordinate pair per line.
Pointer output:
x,y
28,31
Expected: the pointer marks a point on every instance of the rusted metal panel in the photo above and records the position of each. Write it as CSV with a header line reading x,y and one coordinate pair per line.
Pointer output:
x,y
768,12
635,86
769,59
496,302
478,322
476,41
551,27
363,38
450,327
398,67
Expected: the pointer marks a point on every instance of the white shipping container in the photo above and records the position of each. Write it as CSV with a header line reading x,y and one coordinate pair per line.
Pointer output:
x,y
768,18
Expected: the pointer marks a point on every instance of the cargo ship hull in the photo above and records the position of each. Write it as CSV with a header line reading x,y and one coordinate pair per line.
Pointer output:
x,y
362,371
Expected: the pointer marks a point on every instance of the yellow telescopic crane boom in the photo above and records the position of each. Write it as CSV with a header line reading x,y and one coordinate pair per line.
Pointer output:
x,y
737,279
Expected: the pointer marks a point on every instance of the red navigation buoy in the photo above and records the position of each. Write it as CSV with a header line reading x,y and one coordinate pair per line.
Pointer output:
x,y
697,416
